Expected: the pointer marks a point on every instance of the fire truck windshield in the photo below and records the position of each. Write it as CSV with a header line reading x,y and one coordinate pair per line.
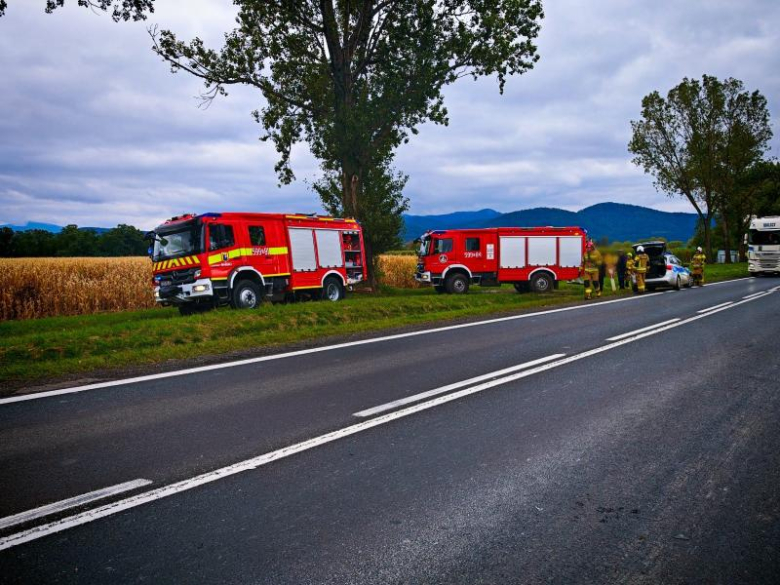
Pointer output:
x,y
425,245
177,242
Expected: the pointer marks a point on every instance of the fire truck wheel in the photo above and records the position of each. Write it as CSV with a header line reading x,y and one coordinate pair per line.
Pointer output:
x,y
542,283
332,290
246,295
457,284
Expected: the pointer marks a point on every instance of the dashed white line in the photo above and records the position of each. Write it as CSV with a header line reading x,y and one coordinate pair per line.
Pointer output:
x,y
642,330
462,384
708,309
255,462
73,502
755,294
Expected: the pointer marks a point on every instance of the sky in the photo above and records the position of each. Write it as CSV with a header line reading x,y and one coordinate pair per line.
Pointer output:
x,y
96,131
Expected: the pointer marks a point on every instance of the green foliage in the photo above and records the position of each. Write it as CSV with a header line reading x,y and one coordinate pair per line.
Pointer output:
x,y
384,204
121,9
122,240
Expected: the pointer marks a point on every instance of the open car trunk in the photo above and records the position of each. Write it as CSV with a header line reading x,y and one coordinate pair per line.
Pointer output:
x,y
657,264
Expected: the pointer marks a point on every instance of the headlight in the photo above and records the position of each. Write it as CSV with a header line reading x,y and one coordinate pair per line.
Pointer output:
x,y
200,288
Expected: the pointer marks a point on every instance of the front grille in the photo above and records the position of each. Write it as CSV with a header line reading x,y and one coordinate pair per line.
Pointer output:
x,y
184,276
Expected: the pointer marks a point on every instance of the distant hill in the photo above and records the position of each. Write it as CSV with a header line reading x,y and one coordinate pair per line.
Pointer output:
x,y
616,221
416,225
48,227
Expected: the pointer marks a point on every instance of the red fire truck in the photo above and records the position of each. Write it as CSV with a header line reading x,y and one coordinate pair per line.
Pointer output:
x,y
201,261
534,259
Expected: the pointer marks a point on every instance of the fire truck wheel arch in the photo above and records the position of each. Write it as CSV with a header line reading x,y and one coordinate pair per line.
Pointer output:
x,y
461,266
249,269
548,270
331,272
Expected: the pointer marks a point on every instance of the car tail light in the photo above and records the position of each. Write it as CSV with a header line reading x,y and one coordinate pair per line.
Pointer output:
x,y
668,266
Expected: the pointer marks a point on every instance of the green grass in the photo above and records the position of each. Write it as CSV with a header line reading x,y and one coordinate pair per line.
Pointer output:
x,y
718,272
62,346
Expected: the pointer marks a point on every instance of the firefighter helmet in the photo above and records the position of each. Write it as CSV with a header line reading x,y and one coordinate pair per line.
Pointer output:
x,y
698,249
630,255
640,249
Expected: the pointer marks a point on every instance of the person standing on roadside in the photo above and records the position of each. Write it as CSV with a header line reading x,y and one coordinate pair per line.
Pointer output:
x,y
641,262
697,267
621,269
629,270
591,263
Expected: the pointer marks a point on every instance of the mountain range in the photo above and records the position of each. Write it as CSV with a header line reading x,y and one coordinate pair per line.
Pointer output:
x,y
616,221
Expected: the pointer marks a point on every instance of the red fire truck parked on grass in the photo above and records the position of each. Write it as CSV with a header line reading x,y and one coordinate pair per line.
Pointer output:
x,y
533,259
201,261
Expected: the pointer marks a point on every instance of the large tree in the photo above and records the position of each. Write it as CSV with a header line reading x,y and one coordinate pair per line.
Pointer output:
x,y
353,78
698,140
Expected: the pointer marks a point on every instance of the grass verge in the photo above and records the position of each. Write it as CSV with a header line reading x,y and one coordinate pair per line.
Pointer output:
x,y
56,347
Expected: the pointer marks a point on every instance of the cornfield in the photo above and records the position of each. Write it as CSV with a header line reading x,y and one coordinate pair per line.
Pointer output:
x,y
398,271
48,287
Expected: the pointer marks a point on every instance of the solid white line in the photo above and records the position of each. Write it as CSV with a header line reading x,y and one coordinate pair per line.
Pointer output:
x,y
199,369
441,390
728,281
73,502
755,294
643,329
255,462
715,307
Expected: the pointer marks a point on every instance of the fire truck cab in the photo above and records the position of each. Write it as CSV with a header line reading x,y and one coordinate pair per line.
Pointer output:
x,y
534,258
240,259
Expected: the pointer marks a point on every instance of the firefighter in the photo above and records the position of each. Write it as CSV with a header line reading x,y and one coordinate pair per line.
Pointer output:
x,y
640,268
697,266
629,270
591,262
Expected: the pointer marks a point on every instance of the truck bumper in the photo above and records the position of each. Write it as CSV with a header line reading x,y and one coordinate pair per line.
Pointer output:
x,y
178,294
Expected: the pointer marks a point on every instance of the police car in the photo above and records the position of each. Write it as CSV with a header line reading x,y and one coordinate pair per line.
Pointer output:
x,y
664,268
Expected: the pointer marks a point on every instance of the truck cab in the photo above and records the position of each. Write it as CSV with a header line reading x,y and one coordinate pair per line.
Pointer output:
x,y
763,241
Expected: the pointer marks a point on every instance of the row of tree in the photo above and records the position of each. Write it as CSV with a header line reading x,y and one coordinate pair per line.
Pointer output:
x,y
123,240
707,141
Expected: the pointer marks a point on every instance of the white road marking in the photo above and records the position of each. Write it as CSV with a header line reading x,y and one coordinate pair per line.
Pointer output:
x,y
73,502
279,356
642,330
755,294
715,307
441,390
249,464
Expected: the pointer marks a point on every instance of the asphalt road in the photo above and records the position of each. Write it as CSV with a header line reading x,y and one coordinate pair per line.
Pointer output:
x,y
652,457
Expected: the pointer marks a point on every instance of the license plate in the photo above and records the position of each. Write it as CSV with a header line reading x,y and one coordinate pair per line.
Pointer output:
x,y
166,282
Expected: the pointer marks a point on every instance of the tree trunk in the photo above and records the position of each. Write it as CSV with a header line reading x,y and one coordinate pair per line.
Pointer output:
x,y
351,185
726,238
708,238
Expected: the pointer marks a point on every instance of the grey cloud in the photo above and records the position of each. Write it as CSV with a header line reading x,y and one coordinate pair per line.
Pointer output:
x,y
95,130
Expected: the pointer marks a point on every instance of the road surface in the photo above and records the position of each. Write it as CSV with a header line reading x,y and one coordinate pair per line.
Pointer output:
x,y
630,441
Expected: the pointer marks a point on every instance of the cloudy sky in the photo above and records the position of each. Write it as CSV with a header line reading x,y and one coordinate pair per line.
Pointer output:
x,y
95,130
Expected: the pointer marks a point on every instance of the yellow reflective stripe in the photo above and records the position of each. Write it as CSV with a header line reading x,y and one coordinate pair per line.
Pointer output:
x,y
302,287
297,217
215,258
219,278
277,251
280,274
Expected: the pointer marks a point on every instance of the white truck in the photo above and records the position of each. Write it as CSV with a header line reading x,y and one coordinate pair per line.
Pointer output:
x,y
763,240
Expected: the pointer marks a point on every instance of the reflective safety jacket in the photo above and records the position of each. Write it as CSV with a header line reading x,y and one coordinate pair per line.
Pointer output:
x,y
698,261
640,262
629,265
591,261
